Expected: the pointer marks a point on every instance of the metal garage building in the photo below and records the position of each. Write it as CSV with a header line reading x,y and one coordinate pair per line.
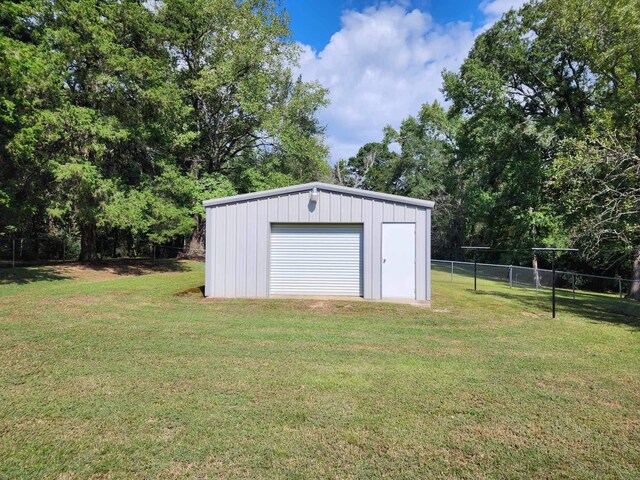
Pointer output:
x,y
318,239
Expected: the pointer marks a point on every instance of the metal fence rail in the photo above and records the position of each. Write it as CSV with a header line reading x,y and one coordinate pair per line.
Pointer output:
x,y
591,291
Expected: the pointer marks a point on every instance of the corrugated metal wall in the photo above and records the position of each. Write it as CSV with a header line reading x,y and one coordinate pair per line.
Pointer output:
x,y
238,236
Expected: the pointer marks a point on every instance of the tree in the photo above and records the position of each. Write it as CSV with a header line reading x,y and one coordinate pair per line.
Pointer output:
x,y
231,60
26,77
369,169
101,121
534,83
423,168
426,147
121,116
598,174
599,180
522,92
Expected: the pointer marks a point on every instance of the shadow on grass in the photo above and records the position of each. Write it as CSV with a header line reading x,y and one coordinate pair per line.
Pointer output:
x,y
191,291
592,306
69,270
135,267
20,275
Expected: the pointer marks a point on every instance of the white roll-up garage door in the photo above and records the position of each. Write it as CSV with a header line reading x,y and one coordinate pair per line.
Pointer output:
x,y
316,260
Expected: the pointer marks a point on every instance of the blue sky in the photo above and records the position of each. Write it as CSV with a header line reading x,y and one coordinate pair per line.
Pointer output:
x,y
314,22
382,60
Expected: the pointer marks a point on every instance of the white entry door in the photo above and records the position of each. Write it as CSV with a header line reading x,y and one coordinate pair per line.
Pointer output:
x,y
398,260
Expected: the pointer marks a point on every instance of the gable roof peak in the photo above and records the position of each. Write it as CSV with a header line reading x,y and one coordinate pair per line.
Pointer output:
x,y
328,187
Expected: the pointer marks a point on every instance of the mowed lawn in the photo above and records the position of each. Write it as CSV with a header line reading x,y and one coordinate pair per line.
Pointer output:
x,y
106,373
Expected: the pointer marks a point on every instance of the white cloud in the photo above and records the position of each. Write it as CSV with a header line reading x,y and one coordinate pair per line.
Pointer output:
x,y
382,65
495,8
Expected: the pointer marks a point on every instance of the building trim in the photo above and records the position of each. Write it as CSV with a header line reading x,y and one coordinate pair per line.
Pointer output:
x,y
387,197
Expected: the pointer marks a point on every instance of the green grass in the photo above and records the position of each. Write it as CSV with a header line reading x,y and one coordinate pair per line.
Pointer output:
x,y
579,302
105,372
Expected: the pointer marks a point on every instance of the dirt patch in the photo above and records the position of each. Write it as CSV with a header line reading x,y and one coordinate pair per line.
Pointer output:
x,y
116,267
532,315
77,300
322,306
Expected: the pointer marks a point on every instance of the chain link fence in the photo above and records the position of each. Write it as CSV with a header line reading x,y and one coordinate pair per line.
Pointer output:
x,y
29,251
17,252
575,291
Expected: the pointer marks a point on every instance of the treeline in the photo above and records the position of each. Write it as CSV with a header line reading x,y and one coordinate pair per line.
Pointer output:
x,y
118,117
540,145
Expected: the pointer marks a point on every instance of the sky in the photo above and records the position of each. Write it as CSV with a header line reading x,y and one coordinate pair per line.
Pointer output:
x,y
382,60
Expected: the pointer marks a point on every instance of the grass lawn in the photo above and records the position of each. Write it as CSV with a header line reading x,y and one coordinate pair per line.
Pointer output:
x,y
106,372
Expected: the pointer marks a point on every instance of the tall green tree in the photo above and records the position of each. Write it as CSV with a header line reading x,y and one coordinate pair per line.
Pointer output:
x,y
248,119
370,169
26,79
540,143
541,79
100,123
121,116
423,167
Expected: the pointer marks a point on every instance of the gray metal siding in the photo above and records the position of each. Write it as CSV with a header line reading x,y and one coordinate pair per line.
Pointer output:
x,y
238,236
427,262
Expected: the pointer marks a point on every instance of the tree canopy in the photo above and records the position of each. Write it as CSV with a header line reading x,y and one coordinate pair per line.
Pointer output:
x,y
118,117
539,143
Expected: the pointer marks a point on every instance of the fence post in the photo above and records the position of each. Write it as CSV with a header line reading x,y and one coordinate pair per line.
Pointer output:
x,y
510,276
451,281
620,288
64,249
573,284
516,279
475,272
13,253
154,253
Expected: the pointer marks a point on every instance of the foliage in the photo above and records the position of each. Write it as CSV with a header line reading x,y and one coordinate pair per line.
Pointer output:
x,y
534,86
599,180
370,169
120,117
540,143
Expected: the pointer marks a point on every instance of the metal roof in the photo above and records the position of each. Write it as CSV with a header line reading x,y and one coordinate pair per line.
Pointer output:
x,y
326,187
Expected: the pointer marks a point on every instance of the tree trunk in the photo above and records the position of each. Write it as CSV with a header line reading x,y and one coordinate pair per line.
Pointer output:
x,y
195,246
88,242
114,251
634,287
